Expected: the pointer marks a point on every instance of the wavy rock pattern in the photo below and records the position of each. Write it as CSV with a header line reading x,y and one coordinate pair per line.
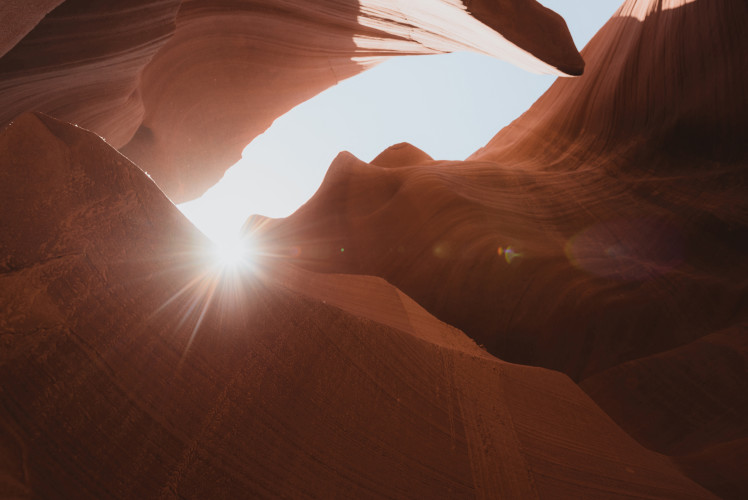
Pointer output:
x,y
602,234
703,410
184,86
130,370
82,64
662,78
605,227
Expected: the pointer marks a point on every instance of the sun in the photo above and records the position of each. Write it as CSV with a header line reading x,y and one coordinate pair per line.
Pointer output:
x,y
231,253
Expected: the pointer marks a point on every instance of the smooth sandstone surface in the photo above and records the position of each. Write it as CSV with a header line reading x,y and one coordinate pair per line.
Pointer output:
x,y
701,420
132,369
604,233
183,86
400,155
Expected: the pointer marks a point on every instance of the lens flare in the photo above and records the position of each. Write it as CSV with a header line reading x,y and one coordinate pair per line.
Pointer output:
x,y
627,249
509,253
231,253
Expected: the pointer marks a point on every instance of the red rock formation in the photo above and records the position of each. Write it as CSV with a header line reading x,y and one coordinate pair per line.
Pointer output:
x,y
82,63
512,18
663,79
184,92
602,233
689,402
18,17
129,369
400,155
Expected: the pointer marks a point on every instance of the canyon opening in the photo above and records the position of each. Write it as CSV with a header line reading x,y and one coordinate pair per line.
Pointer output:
x,y
483,283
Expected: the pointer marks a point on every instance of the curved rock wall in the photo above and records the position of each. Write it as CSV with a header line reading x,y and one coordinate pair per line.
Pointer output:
x,y
132,368
603,233
663,75
595,186
183,86
82,64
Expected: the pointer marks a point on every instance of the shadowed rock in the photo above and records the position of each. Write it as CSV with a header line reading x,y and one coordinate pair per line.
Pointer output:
x,y
605,227
133,369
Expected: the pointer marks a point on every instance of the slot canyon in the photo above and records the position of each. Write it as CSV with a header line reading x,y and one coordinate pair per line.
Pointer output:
x,y
563,314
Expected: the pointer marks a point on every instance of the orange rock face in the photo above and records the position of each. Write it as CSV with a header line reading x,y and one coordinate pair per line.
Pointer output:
x,y
601,238
183,86
82,63
602,234
401,155
18,17
132,369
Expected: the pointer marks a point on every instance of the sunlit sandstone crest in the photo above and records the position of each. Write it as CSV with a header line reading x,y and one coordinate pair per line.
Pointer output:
x,y
597,246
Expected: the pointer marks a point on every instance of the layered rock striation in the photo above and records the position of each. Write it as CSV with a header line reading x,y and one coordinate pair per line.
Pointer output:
x,y
132,368
183,86
601,234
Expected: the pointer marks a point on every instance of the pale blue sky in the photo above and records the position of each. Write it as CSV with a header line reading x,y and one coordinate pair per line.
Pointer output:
x,y
448,105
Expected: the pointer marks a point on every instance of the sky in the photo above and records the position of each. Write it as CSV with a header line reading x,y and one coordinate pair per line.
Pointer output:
x,y
447,105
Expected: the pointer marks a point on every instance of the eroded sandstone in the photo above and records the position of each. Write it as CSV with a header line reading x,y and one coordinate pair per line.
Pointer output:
x,y
133,369
600,234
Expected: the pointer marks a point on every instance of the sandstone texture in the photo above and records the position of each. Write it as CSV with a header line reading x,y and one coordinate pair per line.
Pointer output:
x,y
603,234
131,368
562,315
183,86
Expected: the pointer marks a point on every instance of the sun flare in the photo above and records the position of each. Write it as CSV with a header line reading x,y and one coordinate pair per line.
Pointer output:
x,y
231,253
